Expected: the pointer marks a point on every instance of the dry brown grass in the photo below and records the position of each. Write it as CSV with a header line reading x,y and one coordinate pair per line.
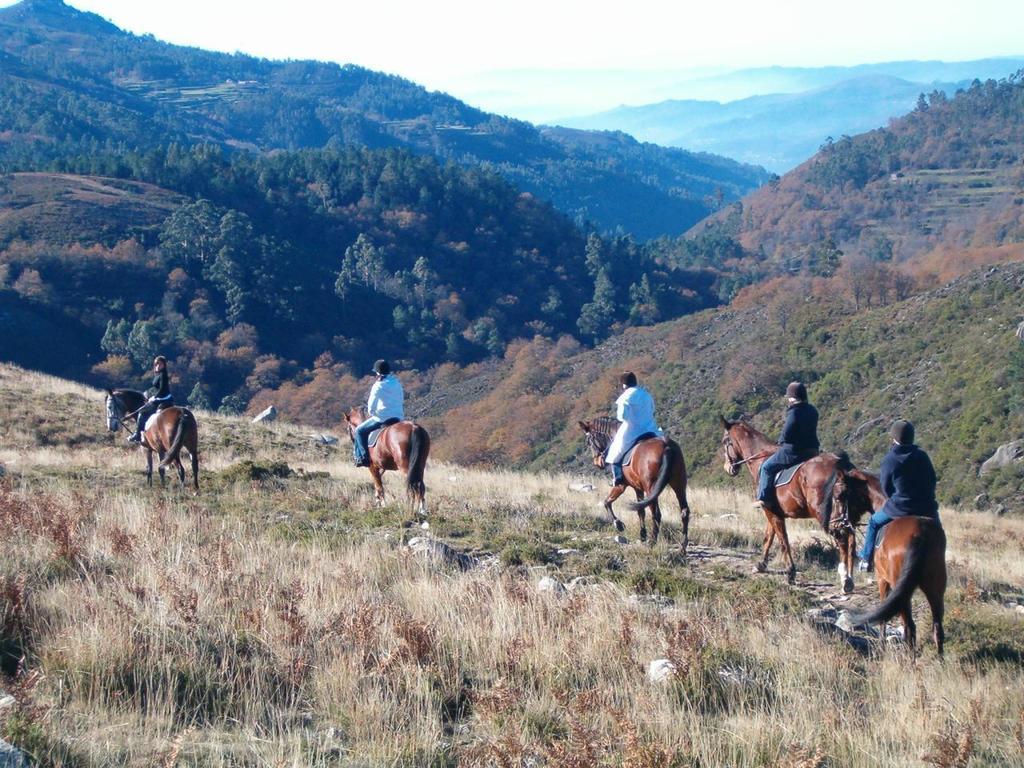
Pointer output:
x,y
283,622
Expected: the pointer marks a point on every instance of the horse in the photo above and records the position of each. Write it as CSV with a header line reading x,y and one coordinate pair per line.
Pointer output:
x,y
812,492
911,555
402,446
171,430
657,462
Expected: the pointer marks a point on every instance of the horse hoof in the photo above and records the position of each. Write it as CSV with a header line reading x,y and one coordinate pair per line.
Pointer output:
x,y
643,535
847,585
760,567
791,577
619,526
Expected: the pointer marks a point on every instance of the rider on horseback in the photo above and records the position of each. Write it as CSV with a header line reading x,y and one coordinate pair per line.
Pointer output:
x,y
160,397
385,404
799,441
908,479
635,409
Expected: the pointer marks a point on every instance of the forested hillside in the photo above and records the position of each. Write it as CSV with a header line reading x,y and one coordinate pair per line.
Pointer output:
x,y
935,193
253,270
72,84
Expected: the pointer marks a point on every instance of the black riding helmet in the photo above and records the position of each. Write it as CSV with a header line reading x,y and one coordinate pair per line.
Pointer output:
x,y
381,368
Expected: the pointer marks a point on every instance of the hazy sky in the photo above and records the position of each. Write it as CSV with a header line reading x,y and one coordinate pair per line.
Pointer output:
x,y
455,45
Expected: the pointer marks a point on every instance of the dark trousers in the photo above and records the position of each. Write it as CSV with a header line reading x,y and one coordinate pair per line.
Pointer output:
x,y
362,436
772,466
149,409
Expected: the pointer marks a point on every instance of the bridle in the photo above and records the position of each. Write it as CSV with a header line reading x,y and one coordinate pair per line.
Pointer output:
x,y
597,442
729,447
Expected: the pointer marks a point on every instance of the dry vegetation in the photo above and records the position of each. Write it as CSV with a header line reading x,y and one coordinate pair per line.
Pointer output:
x,y
278,619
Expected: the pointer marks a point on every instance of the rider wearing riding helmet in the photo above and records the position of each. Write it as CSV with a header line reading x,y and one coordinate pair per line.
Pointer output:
x,y
908,480
159,397
798,442
385,405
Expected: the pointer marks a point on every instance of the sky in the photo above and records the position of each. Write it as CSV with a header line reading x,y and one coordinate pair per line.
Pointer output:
x,y
560,52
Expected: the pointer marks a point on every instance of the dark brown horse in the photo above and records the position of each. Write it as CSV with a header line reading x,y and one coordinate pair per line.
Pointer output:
x,y
403,446
812,493
911,555
169,431
657,462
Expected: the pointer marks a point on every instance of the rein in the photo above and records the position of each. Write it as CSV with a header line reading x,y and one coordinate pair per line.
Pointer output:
x,y
755,457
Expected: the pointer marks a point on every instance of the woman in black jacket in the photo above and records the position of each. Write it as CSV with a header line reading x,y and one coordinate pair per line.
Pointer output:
x,y
159,397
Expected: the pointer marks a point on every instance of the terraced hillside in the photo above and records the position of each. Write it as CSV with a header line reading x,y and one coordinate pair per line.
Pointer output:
x,y
279,617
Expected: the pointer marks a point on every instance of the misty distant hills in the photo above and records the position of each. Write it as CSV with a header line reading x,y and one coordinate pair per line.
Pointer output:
x,y
803,107
72,84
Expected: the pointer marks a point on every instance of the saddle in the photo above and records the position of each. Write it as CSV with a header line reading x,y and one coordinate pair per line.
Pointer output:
x,y
627,457
371,439
786,475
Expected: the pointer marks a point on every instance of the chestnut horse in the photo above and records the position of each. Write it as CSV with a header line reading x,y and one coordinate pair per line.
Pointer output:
x,y
911,555
170,431
403,446
657,462
811,493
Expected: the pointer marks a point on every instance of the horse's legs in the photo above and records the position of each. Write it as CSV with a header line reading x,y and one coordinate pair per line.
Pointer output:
x,y
769,539
160,455
194,456
181,471
378,483
679,486
149,466
934,589
780,530
909,628
655,521
613,494
642,515
846,547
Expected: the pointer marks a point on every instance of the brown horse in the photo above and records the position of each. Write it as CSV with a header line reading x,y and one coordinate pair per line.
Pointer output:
x,y
911,555
657,462
403,446
811,493
170,431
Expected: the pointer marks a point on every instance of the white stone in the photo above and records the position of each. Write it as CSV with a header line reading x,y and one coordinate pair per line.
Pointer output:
x,y
1005,455
1020,609
266,415
620,539
425,525
581,487
660,670
324,439
11,757
568,551
548,584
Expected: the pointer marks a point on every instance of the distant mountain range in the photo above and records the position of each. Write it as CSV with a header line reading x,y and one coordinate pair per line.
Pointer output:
x,y
72,83
796,111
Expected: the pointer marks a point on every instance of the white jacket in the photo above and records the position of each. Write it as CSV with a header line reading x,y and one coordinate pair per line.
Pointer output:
x,y
387,400
635,409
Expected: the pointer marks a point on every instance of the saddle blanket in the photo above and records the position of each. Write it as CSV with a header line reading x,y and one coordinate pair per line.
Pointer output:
x,y
371,439
786,475
628,456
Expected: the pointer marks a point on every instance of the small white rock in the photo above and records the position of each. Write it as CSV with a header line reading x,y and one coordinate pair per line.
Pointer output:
x,y
268,414
425,525
660,670
581,487
1019,609
568,551
548,584
620,539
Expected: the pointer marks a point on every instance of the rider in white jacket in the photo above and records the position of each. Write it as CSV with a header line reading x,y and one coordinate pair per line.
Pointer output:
x,y
386,403
635,409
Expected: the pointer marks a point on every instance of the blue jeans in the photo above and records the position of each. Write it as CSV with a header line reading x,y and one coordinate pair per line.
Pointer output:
x,y
766,477
149,409
359,447
867,552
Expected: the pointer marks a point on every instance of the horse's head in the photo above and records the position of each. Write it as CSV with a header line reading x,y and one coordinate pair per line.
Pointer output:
x,y
731,449
353,418
597,440
115,411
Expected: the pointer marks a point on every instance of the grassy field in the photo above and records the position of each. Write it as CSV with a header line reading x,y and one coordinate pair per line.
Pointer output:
x,y
280,619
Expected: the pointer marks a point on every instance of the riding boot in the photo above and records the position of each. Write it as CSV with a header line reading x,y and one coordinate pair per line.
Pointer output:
x,y
135,437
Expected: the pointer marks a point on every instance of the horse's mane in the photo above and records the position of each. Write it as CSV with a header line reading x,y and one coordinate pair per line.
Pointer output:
x,y
604,425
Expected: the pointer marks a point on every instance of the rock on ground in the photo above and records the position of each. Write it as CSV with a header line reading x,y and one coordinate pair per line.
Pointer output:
x,y
269,414
439,551
660,670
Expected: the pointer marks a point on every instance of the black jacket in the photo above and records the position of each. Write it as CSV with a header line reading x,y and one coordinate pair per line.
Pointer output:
x,y
908,479
161,385
799,440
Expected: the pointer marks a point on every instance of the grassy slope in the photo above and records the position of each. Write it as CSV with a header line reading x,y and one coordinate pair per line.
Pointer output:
x,y
947,359
278,620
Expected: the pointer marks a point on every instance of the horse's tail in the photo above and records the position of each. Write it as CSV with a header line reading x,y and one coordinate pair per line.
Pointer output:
x,y
664,471
184,420
915,562
419,447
